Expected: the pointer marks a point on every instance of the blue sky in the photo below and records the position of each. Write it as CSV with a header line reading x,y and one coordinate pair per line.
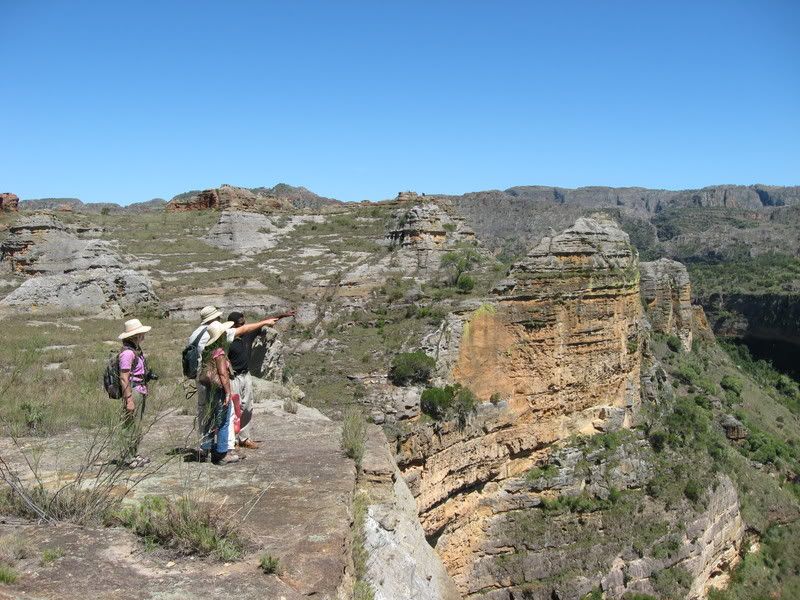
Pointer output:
x,y
123,102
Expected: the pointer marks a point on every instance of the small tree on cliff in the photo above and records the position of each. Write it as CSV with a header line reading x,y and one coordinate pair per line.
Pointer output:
x,y
458,262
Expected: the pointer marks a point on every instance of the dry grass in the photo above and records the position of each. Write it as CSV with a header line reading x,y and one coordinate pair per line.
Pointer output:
x,y
51,371
184,526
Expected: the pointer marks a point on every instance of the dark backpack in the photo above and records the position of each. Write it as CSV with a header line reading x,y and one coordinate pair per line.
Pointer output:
x,y
111,380
111,377
191,356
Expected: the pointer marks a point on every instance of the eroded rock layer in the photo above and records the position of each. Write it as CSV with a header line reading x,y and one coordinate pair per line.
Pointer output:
x,y
71,270
557,353
668,296
9,202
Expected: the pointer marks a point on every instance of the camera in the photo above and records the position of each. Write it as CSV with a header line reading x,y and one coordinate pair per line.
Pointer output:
x,y
150,376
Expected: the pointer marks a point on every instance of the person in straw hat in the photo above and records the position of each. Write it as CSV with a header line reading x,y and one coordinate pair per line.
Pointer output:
x,y
209,315
133,378
215,374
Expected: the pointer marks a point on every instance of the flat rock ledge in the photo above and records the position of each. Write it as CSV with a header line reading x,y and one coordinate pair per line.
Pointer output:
x,y
293,496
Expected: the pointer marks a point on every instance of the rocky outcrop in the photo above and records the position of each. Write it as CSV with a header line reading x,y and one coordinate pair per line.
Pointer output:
x,y
252,305
418,238
41,244
267,356
245,232
556,352
400,562
542,555
229,197
71,271
8,202
425,227
667,296
241,232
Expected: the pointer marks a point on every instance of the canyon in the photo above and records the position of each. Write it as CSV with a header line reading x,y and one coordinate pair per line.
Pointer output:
x,y
612,447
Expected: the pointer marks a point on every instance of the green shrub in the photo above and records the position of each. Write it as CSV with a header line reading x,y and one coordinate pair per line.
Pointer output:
x,y
595,594
672,583
658,439
7,574
448,402
184,526
693,491
674,343
411,367
457,262
731,384
51,554
535,473
269,564
465,283
354,429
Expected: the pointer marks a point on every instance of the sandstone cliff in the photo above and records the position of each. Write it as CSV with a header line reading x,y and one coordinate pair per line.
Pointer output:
x,y
8,202
559,346
668,298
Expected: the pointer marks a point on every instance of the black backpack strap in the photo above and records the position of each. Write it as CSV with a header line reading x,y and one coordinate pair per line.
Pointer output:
x,y
196,340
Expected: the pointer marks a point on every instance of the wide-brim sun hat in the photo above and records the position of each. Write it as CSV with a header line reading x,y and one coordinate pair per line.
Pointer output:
x,y
133,327
209,313
216,329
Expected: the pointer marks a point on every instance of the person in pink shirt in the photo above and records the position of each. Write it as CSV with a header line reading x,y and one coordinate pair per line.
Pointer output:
x,y
133,377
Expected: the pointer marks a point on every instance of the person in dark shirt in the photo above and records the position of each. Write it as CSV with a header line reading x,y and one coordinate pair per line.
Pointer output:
x,y
242,384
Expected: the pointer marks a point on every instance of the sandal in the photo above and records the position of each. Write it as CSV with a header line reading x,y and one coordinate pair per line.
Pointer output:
x,y
137,461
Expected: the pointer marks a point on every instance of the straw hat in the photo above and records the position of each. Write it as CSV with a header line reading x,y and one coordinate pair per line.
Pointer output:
x,y
133,327
216,329
209,313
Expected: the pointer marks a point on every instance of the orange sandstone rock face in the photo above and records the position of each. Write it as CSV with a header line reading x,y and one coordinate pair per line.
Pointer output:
x,y
8,202
227,197
557,353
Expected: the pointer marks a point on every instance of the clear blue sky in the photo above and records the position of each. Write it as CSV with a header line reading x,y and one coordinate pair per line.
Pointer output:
x,y
126,101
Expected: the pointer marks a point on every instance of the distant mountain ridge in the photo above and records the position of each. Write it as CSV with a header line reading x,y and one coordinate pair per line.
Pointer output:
x,y
76,205
644,201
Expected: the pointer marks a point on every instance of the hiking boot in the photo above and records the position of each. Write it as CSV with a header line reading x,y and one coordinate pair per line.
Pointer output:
x,y
249,444
229,458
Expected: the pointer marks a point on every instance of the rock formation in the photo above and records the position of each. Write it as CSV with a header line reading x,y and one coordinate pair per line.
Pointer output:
x,y
401,563
70,272
245,232
667,295
8,202
559,347
418,237
228,197
258,303
241,232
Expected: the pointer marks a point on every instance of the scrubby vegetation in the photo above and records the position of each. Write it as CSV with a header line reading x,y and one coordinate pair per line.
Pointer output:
x,y
269,564
411,367
184,526
353,432
451,401
362,589
760,274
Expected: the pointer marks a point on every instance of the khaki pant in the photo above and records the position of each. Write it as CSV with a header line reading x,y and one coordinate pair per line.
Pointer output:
x,y
131,428
243,385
